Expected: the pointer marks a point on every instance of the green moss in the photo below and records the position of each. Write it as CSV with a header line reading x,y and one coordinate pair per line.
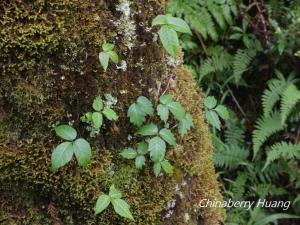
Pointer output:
x,y
51,74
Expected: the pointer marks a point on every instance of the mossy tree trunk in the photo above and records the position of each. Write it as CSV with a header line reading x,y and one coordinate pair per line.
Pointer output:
x,y
50,74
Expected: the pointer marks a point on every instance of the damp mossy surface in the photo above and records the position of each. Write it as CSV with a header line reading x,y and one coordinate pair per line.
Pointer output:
x,y
50,74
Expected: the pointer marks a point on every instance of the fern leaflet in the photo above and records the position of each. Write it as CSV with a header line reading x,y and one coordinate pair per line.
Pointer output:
x,y
242,61
290,97
283,149
264,128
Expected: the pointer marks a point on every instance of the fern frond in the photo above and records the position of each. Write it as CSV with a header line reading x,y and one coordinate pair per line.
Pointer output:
x,y
275,90
269,174
227,14
204,16
242,61
264,190
295,115
230,157
290,97
217,13
238,186
272,95
264,128
283,150
216,63
235,133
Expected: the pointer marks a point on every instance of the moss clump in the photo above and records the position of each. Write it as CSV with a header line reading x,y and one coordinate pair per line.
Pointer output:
x,y
50,74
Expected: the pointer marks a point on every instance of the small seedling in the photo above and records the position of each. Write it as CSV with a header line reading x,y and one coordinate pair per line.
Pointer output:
x,y
108,54
120,206
63,153
95,119
168,32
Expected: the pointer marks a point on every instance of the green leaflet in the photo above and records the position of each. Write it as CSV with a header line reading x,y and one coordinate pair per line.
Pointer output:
x,y
129,153
185,125
102,203
122,208
145,105
157,148
110,114
97,119
108,54
136,114
148,130
140,161
167,167
213,119
169,40
168,136
61,155
177,110
66,132
98,104
104,59
114,193
157,168
163,112
82,150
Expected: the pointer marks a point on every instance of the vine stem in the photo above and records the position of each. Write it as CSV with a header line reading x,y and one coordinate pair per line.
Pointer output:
x,y
201,42
236,102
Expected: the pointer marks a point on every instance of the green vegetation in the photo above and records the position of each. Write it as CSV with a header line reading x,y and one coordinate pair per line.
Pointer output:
x,y
95,119
246,55
168,32
156,138
115,197
107,54
63,153
155,144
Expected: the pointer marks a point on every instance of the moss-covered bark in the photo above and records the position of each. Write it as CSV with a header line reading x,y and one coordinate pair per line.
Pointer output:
x,y
50,74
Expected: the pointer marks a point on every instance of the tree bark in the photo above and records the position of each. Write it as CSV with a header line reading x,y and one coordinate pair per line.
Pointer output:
x,y
50,74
